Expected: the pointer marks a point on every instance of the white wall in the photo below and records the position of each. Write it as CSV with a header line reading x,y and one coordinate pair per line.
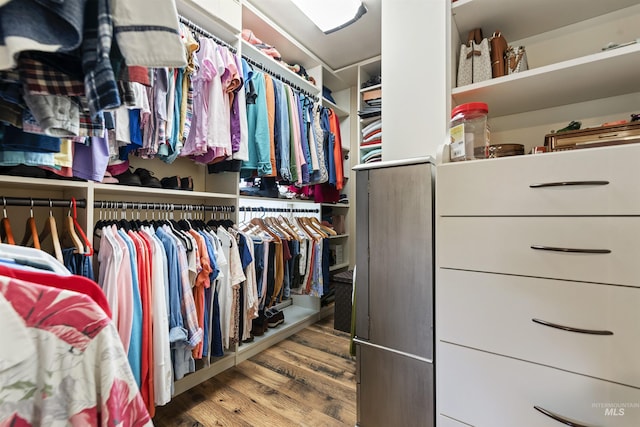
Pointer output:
x,y
415,77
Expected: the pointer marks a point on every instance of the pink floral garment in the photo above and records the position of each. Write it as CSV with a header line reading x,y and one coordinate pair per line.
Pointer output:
x,y
62,362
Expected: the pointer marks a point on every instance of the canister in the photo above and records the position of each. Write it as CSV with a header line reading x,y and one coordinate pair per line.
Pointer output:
x,y
469,132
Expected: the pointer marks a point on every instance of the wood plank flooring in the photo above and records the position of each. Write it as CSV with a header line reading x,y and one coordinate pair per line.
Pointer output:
x,y
306,380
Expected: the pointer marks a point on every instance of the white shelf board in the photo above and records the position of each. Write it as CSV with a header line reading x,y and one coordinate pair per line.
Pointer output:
x,y
339,236
339,266
217,366
40,183
600,75
335,205
270,33
277,68
518,19
197,12
146,192
370,88
296,318
340,112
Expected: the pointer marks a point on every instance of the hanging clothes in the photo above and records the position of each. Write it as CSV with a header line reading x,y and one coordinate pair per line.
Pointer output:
x,y
78,352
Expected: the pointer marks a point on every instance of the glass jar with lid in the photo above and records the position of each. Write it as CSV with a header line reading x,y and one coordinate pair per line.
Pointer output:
x,y
469,132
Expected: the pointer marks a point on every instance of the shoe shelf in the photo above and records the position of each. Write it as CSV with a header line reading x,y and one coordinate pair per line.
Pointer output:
x,y
296,318
25,183
159,195
216,366
600,75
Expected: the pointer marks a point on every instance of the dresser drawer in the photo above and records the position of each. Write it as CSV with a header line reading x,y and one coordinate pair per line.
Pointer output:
x,y
488,390
499,311
504,245
503,186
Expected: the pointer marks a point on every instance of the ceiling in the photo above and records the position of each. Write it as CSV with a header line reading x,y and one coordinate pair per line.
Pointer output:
x,y
357,42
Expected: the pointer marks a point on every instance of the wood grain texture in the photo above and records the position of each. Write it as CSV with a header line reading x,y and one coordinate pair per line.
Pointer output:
x,y
306,380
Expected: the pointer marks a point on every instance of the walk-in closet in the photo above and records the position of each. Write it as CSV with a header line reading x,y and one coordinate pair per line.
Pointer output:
x,y
204,221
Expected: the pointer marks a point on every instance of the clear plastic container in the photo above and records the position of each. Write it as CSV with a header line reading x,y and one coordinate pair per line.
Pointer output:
x,y
469,132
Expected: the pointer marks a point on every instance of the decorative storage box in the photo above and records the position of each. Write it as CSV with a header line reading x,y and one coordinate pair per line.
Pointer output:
x,y
593,137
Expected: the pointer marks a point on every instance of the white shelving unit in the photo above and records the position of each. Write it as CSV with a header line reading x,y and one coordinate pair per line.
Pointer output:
x,y
366,70
570,77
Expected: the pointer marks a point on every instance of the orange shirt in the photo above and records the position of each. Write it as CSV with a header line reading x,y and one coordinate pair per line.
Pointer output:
x,y
202,282
334,126
271,116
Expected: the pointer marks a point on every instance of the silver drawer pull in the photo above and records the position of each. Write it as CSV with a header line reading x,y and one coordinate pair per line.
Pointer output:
x,y
567,183
572,250
558,418
571,329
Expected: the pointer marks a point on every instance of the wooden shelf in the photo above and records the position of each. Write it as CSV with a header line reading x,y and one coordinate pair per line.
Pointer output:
x,y
600,75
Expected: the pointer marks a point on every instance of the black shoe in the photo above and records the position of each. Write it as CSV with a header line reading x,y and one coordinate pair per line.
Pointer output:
x,y
274,317
128,178
171,182
23,170
186,183
147,179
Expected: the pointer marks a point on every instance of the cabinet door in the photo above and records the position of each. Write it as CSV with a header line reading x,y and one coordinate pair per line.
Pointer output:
x,y
401,259
394,390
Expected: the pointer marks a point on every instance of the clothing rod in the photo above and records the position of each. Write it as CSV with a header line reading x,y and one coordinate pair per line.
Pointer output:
x,y
279,77
287,210
54,203
110,204
198,29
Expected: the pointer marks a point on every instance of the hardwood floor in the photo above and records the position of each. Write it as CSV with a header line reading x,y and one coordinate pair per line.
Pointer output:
x,y
306,380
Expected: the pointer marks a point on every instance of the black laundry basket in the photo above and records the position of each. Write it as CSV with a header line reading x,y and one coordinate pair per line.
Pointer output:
x,y
343,286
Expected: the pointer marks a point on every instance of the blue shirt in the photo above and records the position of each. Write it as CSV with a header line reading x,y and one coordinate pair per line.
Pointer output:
x,y
135,343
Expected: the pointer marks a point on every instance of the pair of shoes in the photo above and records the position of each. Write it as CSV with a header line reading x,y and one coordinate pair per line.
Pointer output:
x,y
147,179
275,317
128,178
171,182
259,324
177,183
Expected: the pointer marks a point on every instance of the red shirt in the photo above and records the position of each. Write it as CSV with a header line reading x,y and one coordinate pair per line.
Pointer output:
x,y
72,283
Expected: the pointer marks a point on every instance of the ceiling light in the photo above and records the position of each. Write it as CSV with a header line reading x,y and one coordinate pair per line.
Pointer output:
x,y
331,15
